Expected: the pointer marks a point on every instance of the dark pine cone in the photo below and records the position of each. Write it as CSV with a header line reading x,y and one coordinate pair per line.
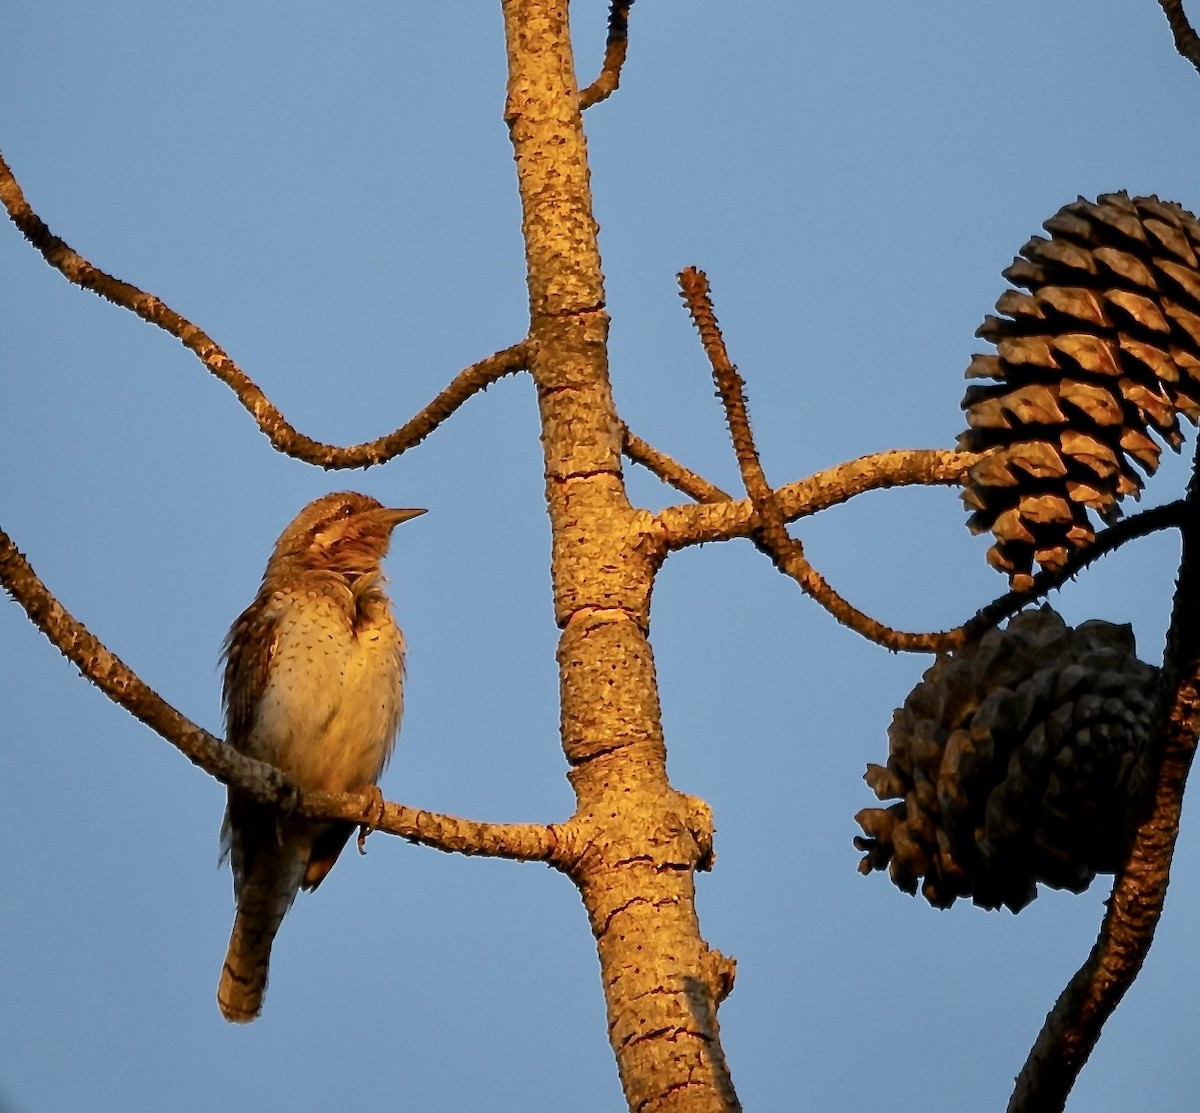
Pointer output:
x,y
1102,351
1021,758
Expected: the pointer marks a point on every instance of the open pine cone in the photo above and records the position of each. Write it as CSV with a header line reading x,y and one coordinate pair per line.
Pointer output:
x,y
1021,758
1102,351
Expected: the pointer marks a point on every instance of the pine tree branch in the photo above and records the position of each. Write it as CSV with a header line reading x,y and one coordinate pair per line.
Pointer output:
x,y
279,432
765,524
615,48
265,783
877,471
768,530
688,524
669,470
1073,1027
1187,42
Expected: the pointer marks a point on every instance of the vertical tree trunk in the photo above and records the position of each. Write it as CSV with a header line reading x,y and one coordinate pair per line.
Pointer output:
x,y
641,841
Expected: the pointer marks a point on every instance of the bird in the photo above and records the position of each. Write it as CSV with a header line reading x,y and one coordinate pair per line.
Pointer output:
x,y
313,684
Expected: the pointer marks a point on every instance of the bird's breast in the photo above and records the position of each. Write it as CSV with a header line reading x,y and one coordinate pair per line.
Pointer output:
x,y
332,702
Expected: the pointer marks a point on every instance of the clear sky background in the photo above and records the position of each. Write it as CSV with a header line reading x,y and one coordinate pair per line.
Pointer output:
x,y
329,191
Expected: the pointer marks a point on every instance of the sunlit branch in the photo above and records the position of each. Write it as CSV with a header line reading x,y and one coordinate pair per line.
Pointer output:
x,y
736,519
615,47
524,841
1073,1026
764,521
689,524
898,467
1187,42
281,434
768,529
669,470
693,285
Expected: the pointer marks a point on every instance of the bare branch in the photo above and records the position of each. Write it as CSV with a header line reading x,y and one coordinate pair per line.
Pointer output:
x,y
798,567
281,434
615,48
693,286
1187,42
765,522
769,531
669,470
899,467
523,841
1170,515
1073,1026
694,525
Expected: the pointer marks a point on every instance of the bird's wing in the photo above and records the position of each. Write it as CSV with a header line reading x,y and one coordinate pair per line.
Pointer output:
x,y
248,649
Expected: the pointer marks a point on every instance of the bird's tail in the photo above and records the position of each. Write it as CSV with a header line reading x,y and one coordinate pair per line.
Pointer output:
x,y
266,893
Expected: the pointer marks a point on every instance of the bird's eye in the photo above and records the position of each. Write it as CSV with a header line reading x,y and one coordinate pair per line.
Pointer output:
x,y
345,511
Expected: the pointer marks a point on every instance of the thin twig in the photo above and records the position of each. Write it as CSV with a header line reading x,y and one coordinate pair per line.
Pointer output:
x,y
1168,516
693,286
523,841
281,434
615,48
1187,42
1073,1026
669,470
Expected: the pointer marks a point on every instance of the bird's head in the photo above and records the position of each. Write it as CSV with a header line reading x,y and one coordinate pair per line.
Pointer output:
x,y
344,532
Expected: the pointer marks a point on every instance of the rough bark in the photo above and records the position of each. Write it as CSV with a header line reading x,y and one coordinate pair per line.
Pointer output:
x,y
642,840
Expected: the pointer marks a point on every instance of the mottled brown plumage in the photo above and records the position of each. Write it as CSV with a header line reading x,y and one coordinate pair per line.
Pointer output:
x,y
313,671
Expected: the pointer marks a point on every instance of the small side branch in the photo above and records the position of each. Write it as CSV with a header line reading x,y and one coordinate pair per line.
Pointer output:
x,y
722,521
878,471
693,285
765,520
1187,42
769,532
1073,1026
615,49
669,470
281,434
522,841
1172,515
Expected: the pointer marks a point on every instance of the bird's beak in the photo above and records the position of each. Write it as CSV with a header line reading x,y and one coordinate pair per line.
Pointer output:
x,y
392,518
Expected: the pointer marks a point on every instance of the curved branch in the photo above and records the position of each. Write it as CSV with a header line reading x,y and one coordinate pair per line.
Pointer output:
x,y
615,49
1187,42
669,470
522,841
1074,1024
686,524
689,525
279,432
897,467
1169,515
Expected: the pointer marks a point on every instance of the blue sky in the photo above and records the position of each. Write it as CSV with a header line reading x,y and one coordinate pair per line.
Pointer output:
x,y
330,194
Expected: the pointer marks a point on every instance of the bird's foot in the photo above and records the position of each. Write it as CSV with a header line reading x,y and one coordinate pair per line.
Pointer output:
x,y
372,816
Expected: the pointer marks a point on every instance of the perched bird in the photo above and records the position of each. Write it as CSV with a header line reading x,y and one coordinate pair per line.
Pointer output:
x,y
313,673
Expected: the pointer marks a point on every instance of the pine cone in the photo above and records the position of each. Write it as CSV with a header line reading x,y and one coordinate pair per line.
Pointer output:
x,y
1021,758
1103,350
